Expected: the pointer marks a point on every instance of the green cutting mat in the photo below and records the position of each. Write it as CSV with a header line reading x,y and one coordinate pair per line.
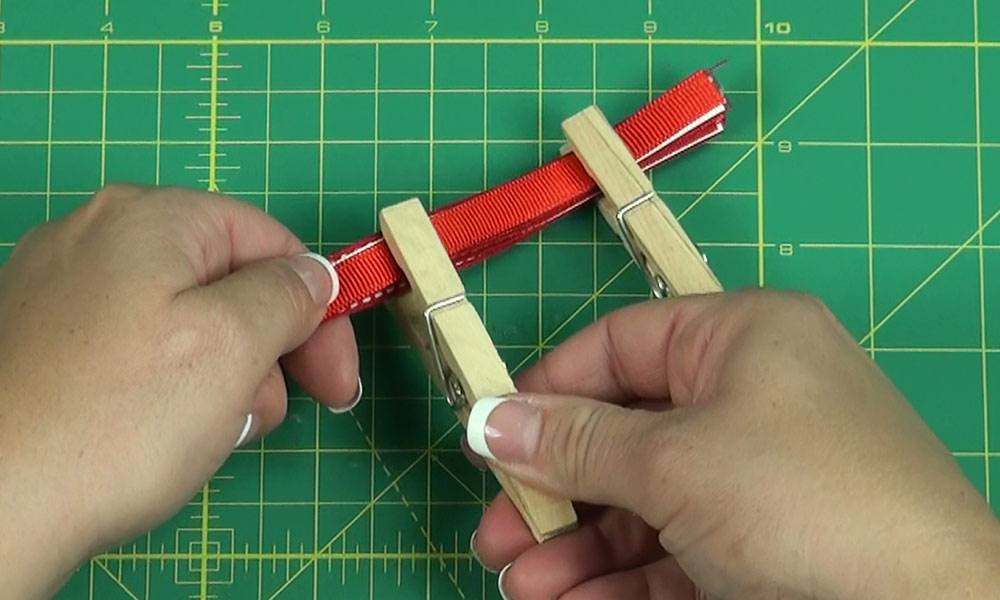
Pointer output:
x,y
861,161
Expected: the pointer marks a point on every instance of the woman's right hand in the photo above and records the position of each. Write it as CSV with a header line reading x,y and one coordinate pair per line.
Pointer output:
x,y
742,443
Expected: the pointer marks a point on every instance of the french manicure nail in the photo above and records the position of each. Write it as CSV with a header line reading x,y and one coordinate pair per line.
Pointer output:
x,y
310,275
245,433
474,459
503,572
504,429
475,555
337,410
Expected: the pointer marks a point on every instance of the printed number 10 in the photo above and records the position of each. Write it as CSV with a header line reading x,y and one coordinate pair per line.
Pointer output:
x,y
781,28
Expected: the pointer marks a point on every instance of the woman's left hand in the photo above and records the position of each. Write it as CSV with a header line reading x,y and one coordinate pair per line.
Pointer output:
x,y
136,336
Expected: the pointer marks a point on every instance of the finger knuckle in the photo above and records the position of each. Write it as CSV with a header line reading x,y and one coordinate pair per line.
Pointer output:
x,y
294,293
785,306
113,195
577,440
111,204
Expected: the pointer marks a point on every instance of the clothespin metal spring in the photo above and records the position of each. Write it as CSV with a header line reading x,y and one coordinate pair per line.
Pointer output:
x,y
657,285
454,392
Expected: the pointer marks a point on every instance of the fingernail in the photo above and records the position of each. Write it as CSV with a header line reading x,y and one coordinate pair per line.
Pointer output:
x,y
337,410
245,434
474,459
503,573
503,429
305,265
475,555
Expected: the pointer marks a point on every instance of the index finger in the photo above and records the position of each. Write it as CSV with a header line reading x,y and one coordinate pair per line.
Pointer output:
x,y
649,350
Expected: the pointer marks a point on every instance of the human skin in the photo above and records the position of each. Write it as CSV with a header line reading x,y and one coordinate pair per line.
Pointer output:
x,y
136,335
740,442
744,440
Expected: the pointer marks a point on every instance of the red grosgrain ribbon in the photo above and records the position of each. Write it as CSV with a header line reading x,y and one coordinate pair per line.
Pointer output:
x,y
482,225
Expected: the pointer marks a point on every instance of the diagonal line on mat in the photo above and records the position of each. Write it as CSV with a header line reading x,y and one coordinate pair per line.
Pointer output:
x,y
318,552
591,298
916,290
423,528
822,84
930,277
114,578
743,158
454,476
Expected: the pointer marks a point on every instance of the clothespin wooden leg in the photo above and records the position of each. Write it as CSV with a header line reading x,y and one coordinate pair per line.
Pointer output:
x,y
652,235
457,349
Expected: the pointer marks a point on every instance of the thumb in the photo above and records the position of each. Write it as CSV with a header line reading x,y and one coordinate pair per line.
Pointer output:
x,y
576,448
279,301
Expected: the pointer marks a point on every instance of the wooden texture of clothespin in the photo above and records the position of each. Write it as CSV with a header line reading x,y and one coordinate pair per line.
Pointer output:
x,y
653,236
453,341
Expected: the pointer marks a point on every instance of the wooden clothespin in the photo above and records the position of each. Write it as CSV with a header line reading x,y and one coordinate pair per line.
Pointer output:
x,y
651,234
453,341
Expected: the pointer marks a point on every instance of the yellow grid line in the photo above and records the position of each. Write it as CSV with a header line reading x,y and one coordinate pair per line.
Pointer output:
x,y
48,142
213,133
273,556
372,391
213,116
867,43
317,408
502,40
594,214
267,209
479,499
759,145
486,263
562,325
159,111
116,579
430,199
868,184
923,283
311,557
104,112
267,132
363,142
982,278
